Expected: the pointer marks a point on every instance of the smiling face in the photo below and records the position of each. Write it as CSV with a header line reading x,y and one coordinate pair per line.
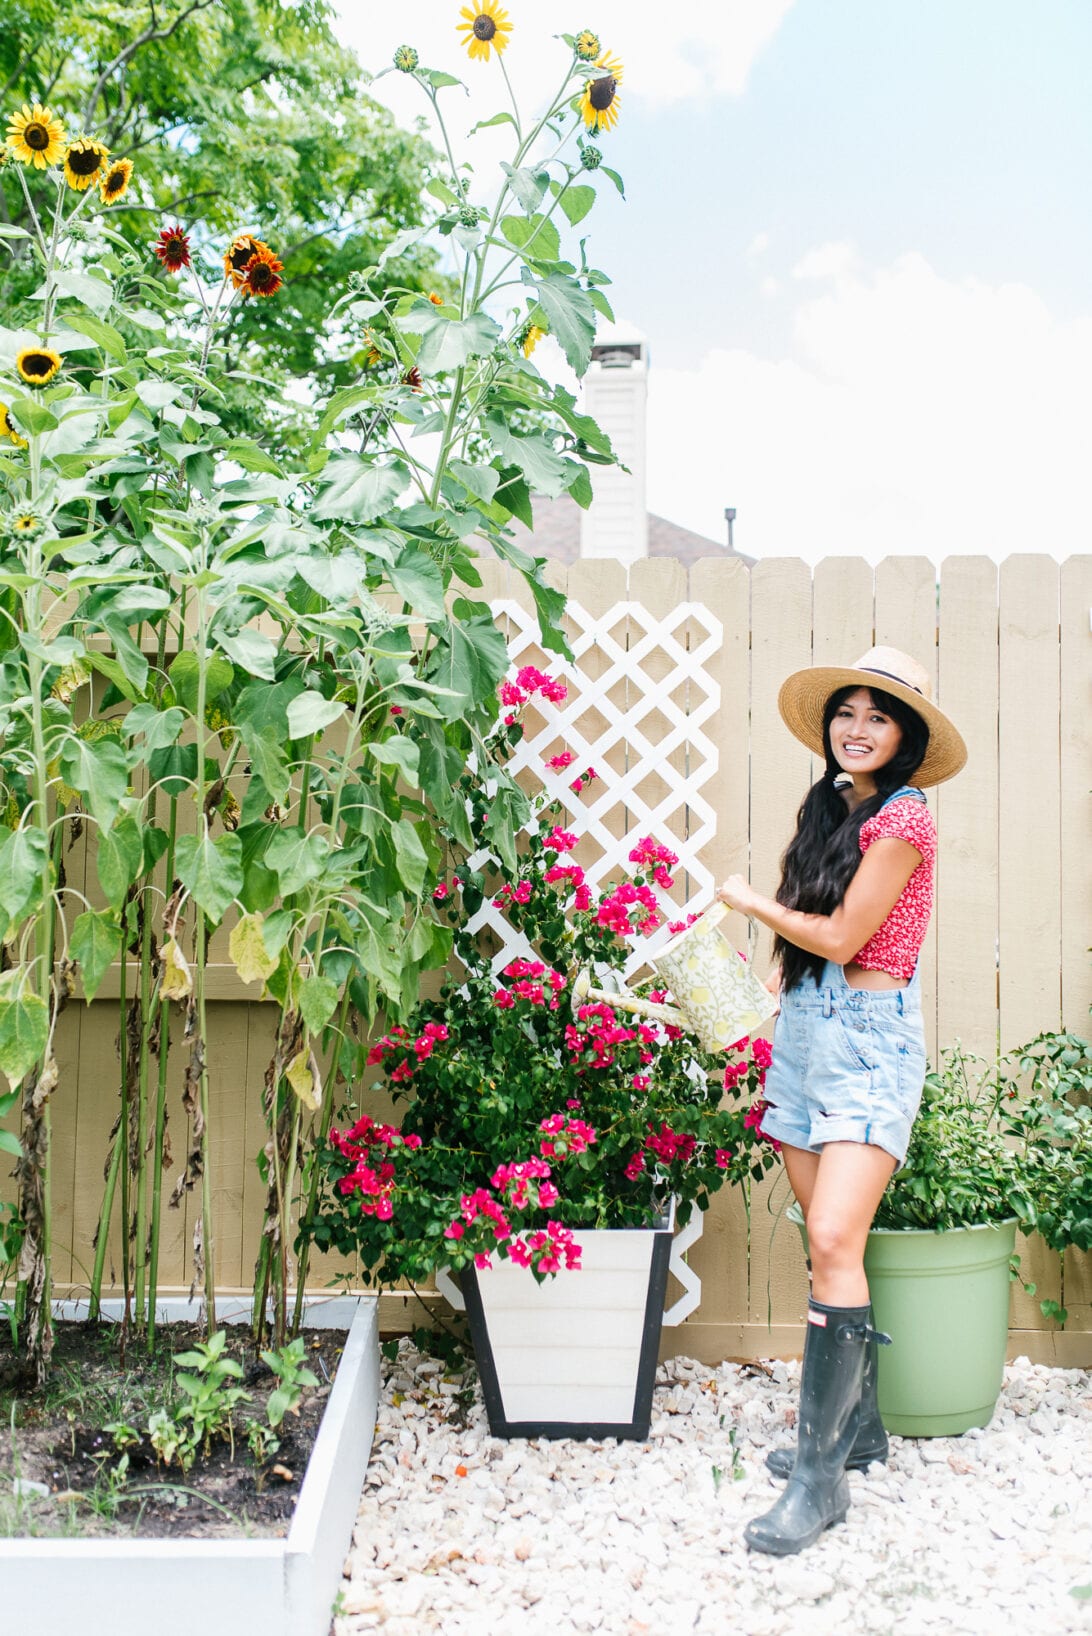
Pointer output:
x,y
863,738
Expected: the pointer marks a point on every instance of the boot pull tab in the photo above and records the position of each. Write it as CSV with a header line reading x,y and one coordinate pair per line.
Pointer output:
x,y
862,1332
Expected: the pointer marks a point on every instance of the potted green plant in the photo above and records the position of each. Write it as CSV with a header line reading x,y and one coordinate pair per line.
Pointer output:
x,y
543,1144
994,1147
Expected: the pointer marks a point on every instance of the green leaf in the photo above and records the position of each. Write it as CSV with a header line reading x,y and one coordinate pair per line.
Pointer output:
x,y
357,491
92,292
96,769
581,487
576,202
480,481
296,859
534,236
318,998
309,713
251,650
160,727
601,304
129,655
261,714
22,859
120,857
410,856
545,470
571,315
615,178
470,658
399,752
10,1144
173,767
184,674
252,458
447,342
24,1029
103,335
503,118
211,871
417,579
528,186
95,944
32,417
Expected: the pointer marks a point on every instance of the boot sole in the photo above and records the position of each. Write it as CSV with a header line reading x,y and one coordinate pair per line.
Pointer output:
x,y
791,1547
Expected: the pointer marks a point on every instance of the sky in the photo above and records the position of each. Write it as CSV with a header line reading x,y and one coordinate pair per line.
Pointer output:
x,y
858,237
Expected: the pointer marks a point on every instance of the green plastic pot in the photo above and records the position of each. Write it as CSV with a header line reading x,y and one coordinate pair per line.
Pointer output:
x,y
943,1297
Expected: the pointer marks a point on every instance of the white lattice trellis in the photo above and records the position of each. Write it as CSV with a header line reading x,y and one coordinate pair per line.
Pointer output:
x,y
650,637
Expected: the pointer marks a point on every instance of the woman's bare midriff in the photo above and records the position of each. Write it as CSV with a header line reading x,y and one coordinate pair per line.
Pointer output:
x,y
865,977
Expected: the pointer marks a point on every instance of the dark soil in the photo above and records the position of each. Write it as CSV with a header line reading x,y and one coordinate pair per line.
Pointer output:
x,y
57,1438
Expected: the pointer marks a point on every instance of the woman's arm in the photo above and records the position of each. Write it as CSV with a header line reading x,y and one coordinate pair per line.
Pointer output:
x,y
870,897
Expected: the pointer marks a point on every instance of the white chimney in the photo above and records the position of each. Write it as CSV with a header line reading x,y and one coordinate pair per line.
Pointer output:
x,y
615,395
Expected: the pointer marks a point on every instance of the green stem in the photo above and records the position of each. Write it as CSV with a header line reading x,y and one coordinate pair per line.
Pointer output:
x,y
202,961
95,1304
314,1181
160,1111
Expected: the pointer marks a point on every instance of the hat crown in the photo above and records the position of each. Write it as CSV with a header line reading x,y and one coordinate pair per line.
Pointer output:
x,y
892,665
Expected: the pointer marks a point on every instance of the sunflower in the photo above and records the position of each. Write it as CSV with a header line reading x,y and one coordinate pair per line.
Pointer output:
x,y
27,525
242,247
83,162
405,59
115,183
530,338
37,365
486,27
262,273
9,429
437,300
586,45
36,136
599,104
173,248
412,379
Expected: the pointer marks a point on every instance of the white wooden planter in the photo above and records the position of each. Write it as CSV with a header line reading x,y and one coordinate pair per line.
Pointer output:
x,y
574,1356
197,1587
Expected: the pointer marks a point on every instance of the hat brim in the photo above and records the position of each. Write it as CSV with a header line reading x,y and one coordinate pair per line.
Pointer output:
x,y
803,699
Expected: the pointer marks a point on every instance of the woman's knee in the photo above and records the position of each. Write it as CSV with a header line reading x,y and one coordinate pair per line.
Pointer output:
x,y
832,1240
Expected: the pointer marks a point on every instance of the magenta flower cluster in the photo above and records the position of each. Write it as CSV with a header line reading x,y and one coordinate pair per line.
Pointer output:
x,y
522,1186
371,1176
528,682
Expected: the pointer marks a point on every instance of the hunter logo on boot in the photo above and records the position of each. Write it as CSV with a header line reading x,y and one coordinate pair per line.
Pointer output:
x,y
819,1318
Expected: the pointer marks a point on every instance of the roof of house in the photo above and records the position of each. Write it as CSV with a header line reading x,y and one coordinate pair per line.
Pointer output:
x,y
557,535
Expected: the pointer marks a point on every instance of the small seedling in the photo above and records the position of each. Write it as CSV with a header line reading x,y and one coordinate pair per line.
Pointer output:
x,y
717,1477
288,1366
212,1401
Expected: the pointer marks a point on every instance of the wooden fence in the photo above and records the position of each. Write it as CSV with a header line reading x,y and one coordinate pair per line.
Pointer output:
x,y
1007,952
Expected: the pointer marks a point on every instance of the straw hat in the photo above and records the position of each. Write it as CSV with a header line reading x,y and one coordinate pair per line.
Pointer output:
x,y
803,698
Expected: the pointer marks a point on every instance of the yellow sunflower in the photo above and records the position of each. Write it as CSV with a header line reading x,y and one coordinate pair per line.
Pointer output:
x,y
9,429
600,102
83,162
37,365
486,27
587,45
114,184
36,136
530,338
27,525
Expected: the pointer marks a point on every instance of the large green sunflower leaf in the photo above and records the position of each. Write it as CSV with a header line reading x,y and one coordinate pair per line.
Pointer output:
x,y
417,578
212,871
470,658
94,945
120,856
529,186
401,752
22,857
295,859
357,491
99,773
24,1029
571,315
98,333
535,236
410,856
576,202
544,469
448,342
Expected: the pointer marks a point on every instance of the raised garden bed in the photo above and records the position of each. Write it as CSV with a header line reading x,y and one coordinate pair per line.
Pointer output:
x,y
285,1584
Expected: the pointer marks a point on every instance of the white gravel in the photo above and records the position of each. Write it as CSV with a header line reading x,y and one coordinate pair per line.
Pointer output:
x,y
981,1535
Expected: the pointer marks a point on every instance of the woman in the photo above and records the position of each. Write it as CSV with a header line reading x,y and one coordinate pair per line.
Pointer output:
x,y
848,1052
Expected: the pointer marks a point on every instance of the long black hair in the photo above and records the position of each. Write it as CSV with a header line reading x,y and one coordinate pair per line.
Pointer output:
x,y
825,853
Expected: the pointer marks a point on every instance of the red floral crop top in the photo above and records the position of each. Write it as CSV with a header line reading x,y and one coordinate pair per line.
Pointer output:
x,y
894,948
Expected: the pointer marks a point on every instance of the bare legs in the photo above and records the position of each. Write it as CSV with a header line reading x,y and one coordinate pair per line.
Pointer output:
x,y
839,1191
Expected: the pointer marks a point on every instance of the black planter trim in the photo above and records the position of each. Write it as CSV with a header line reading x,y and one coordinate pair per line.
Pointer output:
x,y
632,1430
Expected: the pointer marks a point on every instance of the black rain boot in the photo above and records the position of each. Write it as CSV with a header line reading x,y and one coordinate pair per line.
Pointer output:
x,y
817,1493
871,1441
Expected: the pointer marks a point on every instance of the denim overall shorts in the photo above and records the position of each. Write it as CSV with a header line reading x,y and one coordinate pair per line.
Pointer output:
x,y
848,1063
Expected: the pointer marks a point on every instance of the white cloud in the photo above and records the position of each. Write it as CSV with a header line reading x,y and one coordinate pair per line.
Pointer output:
x,y
910,413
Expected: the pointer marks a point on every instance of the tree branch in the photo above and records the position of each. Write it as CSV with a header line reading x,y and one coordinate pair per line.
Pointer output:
x,y
152,32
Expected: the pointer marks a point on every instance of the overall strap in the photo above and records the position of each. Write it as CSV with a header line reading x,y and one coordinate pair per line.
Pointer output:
x,y
907,789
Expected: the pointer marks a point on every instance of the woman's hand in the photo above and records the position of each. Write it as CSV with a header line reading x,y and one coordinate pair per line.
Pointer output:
x,y
737,893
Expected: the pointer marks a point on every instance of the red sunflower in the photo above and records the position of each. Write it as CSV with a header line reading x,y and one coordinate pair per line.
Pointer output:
x,y
262,273
173,248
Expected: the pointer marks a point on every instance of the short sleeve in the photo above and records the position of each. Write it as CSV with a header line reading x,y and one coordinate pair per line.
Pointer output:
x,y
905,820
